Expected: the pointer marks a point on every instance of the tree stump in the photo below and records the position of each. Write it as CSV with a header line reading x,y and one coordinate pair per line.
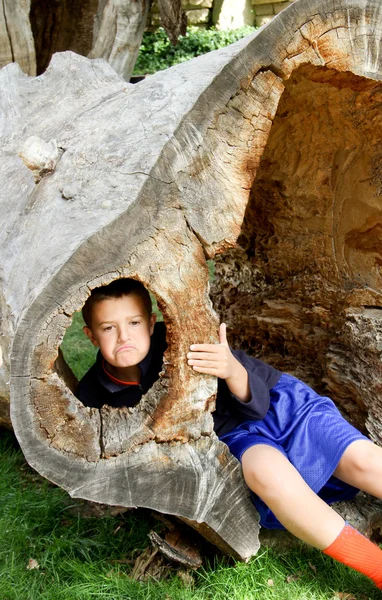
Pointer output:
x,y
264,156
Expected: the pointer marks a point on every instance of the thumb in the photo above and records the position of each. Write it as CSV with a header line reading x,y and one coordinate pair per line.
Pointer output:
x,y
223,334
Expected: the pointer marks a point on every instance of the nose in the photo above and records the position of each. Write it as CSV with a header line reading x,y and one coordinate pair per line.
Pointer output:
x,y
123,334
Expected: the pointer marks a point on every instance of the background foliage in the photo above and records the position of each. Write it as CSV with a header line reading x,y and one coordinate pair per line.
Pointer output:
x,y
157,53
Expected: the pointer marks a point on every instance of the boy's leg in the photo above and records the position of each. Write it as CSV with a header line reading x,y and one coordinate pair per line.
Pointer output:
x,y
271,476
361,466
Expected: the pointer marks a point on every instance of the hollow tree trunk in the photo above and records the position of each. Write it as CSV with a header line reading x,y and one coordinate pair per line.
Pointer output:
x,y
263,155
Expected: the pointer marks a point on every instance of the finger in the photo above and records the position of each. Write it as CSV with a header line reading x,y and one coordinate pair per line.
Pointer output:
x,y
204,348
223,334
208,364
206,371
213,356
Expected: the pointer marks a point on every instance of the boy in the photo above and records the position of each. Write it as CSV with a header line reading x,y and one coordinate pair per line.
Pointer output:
x,y
120,322
295,448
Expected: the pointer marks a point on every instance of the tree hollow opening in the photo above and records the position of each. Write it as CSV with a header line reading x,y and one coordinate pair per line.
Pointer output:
x,y
77,350
302,289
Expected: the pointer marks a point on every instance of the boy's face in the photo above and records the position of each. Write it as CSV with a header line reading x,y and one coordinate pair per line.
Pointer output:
x,y
121,328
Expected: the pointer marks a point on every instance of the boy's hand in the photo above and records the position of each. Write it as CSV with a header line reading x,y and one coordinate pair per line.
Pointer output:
x,y
213,359
218,360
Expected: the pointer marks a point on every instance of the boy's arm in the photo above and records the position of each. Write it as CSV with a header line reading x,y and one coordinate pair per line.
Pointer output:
x,y
218,360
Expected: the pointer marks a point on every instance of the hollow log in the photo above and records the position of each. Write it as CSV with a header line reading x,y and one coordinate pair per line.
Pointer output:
x,y
263,156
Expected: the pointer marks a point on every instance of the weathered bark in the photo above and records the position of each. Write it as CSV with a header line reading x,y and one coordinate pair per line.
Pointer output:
x,y
119,28
173,18
118,32
59,26
16,40
281,130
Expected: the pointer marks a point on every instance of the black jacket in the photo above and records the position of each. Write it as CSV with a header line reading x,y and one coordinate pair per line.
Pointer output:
x,y
96,388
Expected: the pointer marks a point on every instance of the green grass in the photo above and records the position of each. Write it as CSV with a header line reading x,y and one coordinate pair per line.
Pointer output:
x,y
77,349
80,558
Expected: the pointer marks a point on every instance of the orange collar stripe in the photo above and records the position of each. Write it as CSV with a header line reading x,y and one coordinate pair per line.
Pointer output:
x,y
115,380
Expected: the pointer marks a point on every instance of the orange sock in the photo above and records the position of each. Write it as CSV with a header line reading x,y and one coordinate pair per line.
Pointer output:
x,y
354,550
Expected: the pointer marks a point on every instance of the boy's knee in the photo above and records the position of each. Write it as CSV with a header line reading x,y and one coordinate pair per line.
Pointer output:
x,y
360,457
260,472
253,474
265,484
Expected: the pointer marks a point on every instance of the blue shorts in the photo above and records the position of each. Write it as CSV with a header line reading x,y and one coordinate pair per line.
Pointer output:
x,y
309,430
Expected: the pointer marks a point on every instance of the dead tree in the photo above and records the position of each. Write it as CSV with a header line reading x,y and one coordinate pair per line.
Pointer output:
x,y
264,156
32,30
119,29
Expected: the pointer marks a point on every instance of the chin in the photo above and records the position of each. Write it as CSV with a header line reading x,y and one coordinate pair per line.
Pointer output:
x,y
126,363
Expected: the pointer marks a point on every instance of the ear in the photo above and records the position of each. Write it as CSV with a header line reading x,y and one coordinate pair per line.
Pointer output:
x,y
88,332
153,319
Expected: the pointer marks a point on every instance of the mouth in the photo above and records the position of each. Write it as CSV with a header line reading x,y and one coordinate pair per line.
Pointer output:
x,y
126,348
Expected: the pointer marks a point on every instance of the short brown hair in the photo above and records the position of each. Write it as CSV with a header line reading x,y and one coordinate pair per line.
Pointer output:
x,y
116,289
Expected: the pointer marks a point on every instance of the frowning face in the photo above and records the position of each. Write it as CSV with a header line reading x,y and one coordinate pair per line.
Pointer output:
x,y
122,329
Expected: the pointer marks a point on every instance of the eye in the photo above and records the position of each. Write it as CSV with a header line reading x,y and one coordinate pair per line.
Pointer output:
x,y
108,328
135,323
